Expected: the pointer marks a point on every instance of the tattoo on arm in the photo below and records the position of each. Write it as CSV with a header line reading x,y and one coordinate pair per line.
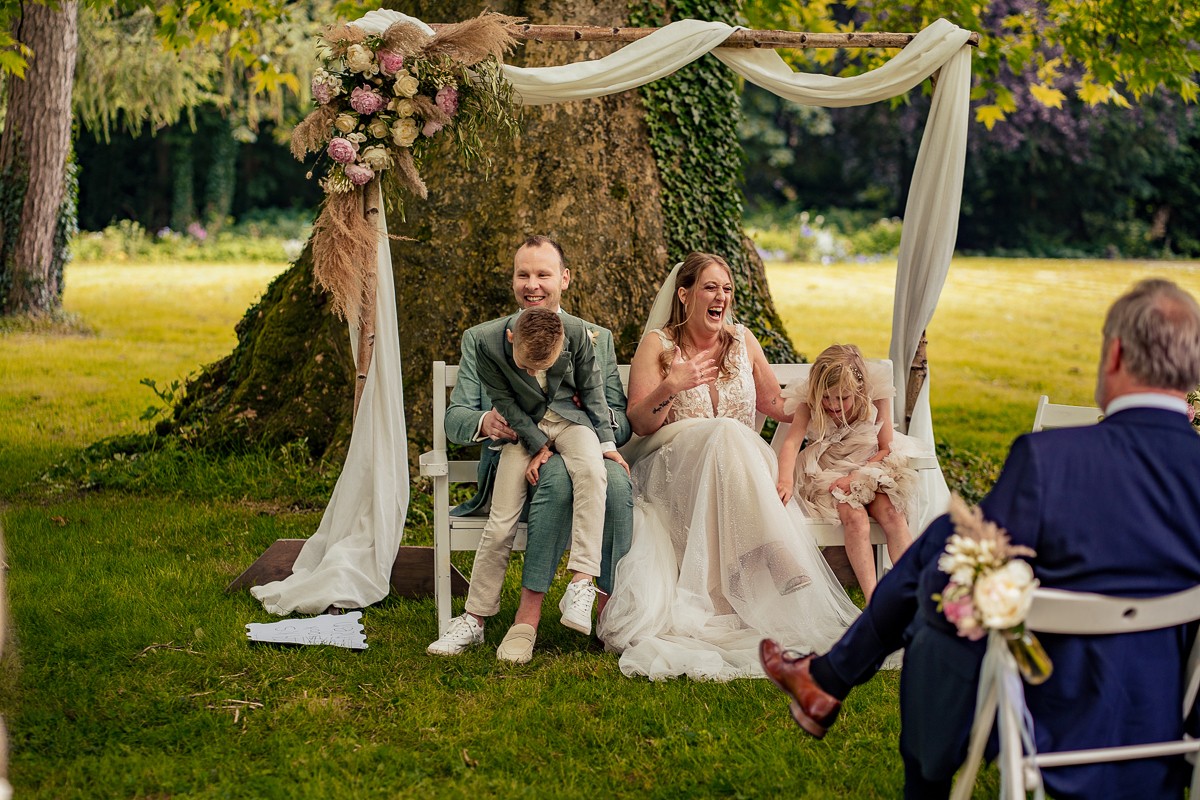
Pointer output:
x,y
663,404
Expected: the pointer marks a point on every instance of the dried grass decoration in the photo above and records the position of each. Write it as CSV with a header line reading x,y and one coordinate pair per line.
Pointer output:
x,y
384,102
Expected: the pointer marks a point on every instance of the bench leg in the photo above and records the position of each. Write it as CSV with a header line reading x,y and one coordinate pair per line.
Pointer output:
x,y
441,550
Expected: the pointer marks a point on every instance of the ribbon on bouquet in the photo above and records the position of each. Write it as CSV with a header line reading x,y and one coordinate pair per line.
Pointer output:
x,y
1000,695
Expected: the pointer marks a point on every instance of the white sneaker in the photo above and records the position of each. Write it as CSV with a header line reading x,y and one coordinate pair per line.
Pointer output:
x,y
576,606
461,633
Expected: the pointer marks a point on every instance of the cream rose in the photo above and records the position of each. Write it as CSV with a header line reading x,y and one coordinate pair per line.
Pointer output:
x,y
376,157
1003,597
406,85
403,107
405,132
360,59
345,122
378,129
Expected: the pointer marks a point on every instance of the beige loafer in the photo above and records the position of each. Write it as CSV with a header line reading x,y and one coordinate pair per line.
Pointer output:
x,y
517,646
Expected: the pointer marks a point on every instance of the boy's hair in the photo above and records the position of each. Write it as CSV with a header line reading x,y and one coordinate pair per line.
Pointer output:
x,y
537,337
840,370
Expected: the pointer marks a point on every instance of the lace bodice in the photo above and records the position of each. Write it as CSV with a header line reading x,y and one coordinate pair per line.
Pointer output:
x,y
735,394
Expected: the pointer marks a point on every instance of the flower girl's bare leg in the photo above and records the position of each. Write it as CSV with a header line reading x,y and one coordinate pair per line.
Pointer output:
x,y
895,526
857,527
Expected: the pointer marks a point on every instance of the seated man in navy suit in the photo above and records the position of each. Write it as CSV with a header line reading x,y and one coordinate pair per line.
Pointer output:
x,y
1112,508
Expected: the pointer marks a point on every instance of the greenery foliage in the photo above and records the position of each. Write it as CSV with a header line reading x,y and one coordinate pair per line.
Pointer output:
x,y
1103,52
270,237
789,234
692,117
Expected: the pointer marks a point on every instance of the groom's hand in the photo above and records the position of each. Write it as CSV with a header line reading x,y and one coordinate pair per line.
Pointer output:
x,y
496,427
688,374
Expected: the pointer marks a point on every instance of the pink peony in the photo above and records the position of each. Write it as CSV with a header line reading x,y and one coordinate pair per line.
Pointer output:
x,y
366,101
358,174
321,92
431,128
389,62
447,100
961,613
341,150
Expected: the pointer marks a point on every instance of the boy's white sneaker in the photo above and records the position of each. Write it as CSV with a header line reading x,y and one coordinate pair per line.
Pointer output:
x,y
576,606
461,633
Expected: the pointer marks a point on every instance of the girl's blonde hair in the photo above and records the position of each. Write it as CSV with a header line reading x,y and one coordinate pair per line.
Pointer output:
x,y
686,278
839,370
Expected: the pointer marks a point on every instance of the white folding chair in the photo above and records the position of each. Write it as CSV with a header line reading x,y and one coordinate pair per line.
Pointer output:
x,y
1002,698
1053,415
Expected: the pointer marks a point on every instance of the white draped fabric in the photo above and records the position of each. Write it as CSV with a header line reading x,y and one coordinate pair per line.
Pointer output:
x,y
348,561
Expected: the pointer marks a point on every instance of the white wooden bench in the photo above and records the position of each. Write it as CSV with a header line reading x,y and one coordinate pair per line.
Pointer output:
x,y
452,534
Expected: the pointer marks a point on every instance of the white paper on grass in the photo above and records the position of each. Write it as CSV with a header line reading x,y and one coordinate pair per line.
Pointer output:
x,y
340,630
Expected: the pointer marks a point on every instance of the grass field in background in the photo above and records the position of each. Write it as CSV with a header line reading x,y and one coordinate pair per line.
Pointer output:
x,y
128,673
161,322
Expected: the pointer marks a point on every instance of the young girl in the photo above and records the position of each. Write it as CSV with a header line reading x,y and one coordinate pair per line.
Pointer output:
x,y
850,468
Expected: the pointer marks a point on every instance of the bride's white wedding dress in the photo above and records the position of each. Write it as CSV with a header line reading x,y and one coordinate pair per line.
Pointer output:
x,y
717,561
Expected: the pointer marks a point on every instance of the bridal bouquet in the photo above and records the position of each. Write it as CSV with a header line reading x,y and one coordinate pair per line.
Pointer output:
x,y
990,588
383,102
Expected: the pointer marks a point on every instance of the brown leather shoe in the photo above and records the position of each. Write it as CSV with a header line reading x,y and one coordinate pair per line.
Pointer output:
x,y
813,708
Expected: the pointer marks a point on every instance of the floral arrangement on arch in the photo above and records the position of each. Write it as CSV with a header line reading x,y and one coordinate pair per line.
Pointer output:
x,y
385,102
990,588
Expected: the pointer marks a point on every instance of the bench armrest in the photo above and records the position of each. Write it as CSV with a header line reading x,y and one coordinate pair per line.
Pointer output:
x,y
923,462
434,464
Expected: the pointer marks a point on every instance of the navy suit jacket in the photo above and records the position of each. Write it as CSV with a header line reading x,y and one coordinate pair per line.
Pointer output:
x,y
1112,508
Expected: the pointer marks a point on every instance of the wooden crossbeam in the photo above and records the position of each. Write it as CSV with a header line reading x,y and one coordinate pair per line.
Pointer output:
x,y
739,39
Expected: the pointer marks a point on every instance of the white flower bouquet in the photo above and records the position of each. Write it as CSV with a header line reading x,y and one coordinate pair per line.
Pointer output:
x,y
990,587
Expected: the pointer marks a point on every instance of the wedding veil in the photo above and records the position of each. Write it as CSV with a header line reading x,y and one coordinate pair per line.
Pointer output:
x,y
660,312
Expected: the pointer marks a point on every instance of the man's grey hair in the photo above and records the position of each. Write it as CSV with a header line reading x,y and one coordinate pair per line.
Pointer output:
x,y
1158,325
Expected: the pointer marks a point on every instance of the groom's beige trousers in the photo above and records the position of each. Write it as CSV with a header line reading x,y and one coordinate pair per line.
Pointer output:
x,y
584,459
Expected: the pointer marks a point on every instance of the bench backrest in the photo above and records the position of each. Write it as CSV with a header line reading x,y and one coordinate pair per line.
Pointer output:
x,y
446,375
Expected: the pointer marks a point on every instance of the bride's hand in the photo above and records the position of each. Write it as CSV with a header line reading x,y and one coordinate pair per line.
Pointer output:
x,y
685,374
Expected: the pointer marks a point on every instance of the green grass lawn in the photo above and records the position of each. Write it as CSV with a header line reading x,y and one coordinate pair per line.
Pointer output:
x,y
128,674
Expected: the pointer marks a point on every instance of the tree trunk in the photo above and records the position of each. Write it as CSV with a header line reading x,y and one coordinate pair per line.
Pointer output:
x,y
586,173
33,161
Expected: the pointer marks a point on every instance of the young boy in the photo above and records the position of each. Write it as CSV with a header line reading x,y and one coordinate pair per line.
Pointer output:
x,y
533,376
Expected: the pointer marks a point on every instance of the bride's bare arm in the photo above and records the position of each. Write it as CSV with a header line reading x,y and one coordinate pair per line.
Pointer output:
x,y
651,394
766,386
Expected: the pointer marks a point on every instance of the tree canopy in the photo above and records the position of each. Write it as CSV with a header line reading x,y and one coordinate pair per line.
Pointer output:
x,y
1101,52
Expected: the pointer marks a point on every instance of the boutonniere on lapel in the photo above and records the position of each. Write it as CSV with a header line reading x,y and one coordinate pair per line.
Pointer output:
x,y
1193,401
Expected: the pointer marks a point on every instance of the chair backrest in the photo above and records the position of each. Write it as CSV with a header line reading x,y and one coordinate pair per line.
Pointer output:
x,y
1001,695
1053,415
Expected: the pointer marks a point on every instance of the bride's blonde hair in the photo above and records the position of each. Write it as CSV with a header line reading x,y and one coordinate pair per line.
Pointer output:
x,y
840,370
686,278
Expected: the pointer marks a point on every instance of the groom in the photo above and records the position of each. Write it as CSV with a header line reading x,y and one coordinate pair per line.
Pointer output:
x,y
540,275
1112,508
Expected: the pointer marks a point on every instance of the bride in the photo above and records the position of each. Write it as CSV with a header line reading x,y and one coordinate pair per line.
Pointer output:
x,y
717,561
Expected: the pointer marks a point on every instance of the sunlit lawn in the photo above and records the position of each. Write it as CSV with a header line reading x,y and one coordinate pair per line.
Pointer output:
x,y
129,675
160,322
